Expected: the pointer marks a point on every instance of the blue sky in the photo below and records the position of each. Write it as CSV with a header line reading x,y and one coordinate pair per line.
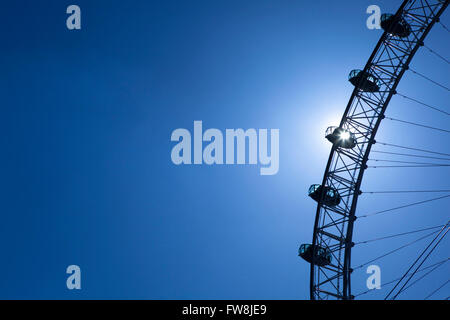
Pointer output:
x,y
87,177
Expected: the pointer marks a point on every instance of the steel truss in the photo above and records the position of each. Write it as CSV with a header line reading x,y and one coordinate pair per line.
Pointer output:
x,y
333,228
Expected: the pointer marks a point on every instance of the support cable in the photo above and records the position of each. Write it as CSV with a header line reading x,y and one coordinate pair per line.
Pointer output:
x,y
395,250
411,155
419,125
398,235
406,191
423,104
432,81
421,270
420,278
409,148
437,290
416,261
402,207
411,166
436,54
443,26
406,162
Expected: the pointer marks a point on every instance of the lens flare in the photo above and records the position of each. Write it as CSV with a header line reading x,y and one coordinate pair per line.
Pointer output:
x,y
345,135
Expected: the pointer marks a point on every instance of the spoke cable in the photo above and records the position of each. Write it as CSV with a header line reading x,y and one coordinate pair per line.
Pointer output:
x,y
410,155
426,78
404,206
395,250
443,26
399,234
392,281
442,234
412,166
406,191
407,162
418,124
410,148
437,290
423,104
420,278
436,54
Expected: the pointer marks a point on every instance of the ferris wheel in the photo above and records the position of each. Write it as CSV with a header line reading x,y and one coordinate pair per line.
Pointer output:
x,y
337,215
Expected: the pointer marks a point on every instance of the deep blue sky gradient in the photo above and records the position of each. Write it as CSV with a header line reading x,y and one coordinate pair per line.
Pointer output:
x,y
85,133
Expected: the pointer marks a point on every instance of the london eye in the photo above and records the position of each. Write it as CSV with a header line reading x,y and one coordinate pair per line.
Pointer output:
x,y
354,150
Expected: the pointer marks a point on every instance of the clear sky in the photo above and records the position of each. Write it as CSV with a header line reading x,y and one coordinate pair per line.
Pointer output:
x,y
86,172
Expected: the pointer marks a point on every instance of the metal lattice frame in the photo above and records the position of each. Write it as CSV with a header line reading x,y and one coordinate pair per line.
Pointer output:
x,y
333,228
